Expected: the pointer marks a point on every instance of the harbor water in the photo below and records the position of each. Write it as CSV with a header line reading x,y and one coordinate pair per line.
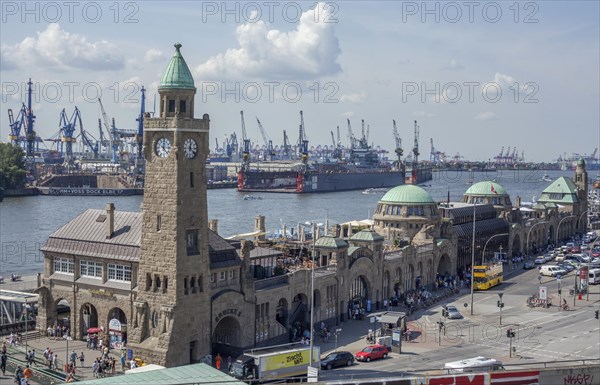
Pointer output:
x,y
26,222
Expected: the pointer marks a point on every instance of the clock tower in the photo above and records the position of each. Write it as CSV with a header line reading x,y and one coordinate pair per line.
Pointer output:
x,y
170,310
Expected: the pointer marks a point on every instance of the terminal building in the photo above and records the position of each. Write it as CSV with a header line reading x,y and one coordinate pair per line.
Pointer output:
x,y
167,286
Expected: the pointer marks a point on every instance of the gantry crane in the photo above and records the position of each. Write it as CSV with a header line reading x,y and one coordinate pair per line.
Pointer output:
x,y
113,145
398,140
351,134
303,140
268,142
67,129
246,150
286,146
88,140
17,124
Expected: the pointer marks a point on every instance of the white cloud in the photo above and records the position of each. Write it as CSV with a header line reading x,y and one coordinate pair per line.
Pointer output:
x,y
55,48
347,114
454,65
423,114
487,115
354,97
508,84
154,55
310,50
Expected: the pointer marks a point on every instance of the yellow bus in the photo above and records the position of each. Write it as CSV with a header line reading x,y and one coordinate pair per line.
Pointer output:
x,y
487,276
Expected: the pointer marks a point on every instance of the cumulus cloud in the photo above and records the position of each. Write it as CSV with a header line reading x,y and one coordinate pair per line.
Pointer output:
x,y
55,48
454,65
508,83
310,50
354,97
348,114
487,115
154,55
423,114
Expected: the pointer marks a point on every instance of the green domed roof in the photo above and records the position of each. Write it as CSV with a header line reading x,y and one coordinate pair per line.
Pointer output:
x,y
408,194
581,162
177,75
486,188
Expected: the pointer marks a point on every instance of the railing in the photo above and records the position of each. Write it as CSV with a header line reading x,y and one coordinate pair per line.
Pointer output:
x,y
271,282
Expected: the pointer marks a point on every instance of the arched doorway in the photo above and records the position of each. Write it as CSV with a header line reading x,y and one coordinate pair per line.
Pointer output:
x,y
226,339
516,245
281,313
299,311
89,319
419,279
359,293
398,284
386,284
61,317
444,265
117,328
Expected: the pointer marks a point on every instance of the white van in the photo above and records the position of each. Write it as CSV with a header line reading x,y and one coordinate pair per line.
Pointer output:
x,y
552,271
594,276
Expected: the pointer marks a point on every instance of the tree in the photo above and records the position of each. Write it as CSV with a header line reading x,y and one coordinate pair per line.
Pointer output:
x,y
12,166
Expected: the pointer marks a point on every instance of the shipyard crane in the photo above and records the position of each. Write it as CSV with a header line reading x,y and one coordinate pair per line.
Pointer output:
x,y
246,150
267,140
102,141
339,141
337,151
398,140
304,142
416,145
30,135
112,140
67,128
499,156
17,125
88,140
286,146
350,134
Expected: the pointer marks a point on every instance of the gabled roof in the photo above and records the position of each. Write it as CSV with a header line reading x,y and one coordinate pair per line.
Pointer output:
x,y
562,190
328,241
366,235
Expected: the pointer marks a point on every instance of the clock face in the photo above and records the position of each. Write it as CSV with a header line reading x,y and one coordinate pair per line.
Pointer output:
x,y
163,147
190,148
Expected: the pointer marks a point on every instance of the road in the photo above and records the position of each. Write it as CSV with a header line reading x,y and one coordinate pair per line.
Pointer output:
x,y
540,334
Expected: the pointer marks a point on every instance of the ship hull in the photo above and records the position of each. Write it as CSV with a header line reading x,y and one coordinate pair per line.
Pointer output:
x,y
313,182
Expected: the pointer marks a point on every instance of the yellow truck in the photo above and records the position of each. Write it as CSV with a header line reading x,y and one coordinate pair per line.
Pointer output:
x,y
275,363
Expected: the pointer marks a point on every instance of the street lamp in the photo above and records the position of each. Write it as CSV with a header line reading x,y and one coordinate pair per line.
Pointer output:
x,y
312,293
486,243
559,223
473,256
579,219
529,232
26,319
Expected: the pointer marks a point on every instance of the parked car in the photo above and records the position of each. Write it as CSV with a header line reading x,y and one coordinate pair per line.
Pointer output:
x,y
539,260
333,360
552,271
528,265
559,257
372,352
566,266
548,257
453,312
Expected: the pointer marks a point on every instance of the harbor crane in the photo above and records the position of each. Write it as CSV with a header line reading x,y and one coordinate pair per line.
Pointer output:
x,y
436,156
17,124
231,146
350,134
246,149
67,129
304,140
416,145
268,142
30,136
88,140
113,144
336,150
398,140
140,130
286,146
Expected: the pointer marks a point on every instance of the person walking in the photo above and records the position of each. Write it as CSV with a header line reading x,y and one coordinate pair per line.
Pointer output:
x,y
3,360
123,361
27,373
218,361
73,357
229,363
81,360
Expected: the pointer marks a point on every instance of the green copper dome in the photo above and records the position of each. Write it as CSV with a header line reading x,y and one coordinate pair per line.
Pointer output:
x,y
486,188
177,75
581,162
407,194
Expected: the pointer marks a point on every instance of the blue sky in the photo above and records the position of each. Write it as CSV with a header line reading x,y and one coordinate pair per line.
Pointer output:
x,y
373,60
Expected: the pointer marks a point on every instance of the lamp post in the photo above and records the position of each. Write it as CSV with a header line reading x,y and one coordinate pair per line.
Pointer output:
x,y
486,243
26,319
529,232
312,298
579,219
473,257
559,223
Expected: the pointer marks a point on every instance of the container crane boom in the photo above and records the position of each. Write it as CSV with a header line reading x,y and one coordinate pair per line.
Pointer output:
x,y
350,134
398,140
246,150
266,139
140,120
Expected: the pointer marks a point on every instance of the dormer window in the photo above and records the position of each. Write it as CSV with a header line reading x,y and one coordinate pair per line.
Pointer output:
x,y
171,105
182,106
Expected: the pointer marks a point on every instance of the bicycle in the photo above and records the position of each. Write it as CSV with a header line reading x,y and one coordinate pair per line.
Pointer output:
x,y
565,307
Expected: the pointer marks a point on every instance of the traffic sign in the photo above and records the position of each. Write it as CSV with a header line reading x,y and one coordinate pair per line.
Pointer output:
x,y
543,293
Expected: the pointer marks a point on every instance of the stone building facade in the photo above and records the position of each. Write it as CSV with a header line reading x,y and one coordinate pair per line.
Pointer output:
x,y
180,292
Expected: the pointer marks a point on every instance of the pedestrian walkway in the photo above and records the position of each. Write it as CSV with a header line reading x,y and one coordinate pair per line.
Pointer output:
x,y
63,348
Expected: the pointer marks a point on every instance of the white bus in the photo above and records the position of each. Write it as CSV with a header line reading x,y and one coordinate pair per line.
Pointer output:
x,y
477,364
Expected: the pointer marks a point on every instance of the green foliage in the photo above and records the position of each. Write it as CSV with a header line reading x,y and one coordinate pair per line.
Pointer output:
x,y
12,166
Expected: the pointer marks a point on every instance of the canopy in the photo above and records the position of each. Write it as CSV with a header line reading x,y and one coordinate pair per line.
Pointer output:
x,y
94,330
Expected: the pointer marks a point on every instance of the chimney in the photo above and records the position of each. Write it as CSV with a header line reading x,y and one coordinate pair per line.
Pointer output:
x,y
259,225
213,225
109,224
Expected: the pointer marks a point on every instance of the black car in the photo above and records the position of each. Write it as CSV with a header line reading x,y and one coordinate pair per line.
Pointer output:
x,y
333,360
528,265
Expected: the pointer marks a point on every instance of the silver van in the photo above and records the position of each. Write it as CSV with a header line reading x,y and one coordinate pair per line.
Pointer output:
x,y
594,276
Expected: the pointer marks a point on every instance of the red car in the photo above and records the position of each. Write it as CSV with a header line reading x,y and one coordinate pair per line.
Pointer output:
x,y
372,352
